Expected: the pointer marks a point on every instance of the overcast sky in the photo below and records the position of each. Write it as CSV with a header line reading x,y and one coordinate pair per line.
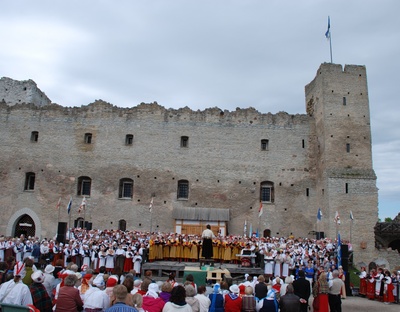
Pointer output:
x,y
204,54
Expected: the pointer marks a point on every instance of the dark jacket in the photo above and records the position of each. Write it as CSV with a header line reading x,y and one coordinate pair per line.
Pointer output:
x,y
302,288
289,303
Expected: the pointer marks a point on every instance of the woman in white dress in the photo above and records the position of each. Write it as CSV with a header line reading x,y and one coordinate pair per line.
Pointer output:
x,y
110,260
137,262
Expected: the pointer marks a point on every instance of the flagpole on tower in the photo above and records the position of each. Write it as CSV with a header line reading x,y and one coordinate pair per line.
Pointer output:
x,y
328,35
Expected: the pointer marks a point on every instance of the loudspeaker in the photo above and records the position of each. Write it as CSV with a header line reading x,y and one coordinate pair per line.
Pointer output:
x,y
320,235
61,232
88,225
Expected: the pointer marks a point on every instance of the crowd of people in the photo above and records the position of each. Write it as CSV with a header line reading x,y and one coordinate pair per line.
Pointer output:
x,y
101,270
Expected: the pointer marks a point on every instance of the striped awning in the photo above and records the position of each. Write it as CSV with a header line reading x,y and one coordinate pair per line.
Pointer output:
x,y
201,214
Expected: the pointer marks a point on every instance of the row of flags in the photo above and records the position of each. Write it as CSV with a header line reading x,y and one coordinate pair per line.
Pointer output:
x,y
336,218
81,207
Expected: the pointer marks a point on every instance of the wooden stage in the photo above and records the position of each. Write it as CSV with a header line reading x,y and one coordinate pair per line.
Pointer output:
x,y
161,269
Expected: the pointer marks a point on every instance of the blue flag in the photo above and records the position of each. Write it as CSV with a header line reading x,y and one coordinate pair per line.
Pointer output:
x,y
328,32
69,205
319,214
339,251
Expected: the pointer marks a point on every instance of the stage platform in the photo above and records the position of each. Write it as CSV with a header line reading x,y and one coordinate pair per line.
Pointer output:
x,y
161,270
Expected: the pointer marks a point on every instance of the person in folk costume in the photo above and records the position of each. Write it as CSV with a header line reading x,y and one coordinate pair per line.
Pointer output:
x,y
194,250
19,250
94,257
363,282
320,294
67,254
233,302
110,259
268,259
128,263
236,250
226,250
248,300
268,303
217,300
179,248
120,257
75,256
309,270
102,256
187,245
276,284
28,248
342,276
152,248
159,248
57,252
387,288
2,248
40,296
172,247
371,285
86,256
9,251
278,263
165,249
286,263
378,284
137,262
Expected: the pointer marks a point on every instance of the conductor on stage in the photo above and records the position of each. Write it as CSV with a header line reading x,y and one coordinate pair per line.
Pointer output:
x,y
207,248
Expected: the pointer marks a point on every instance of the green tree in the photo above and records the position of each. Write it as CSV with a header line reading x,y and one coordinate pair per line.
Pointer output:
x,y
388,219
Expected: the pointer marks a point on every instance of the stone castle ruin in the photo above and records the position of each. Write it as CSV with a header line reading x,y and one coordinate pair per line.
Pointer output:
x,y
197,167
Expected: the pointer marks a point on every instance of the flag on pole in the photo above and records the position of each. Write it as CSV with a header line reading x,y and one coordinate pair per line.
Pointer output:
x,y
151,205
58,204
245,227
251,230
339,250
351,216
337,218
82,205
257,234
260,210
319,215
69,205
328,32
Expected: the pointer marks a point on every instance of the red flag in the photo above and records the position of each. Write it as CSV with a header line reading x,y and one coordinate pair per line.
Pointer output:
x,y
58,204
83,205
260,210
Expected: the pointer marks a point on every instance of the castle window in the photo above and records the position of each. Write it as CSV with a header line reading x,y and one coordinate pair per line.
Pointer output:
x,y
307,192
347,188
344,101
84,186
303,143
184,141
264,145
183,189
348,147
125,188
88,138
34,136
29,181
129,139
267,192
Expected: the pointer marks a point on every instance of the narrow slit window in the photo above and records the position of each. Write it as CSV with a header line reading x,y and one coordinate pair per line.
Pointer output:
x,y
303,143
344,101
88,138
348,147
29,181
264,145
307,192
347,188
34,136
184,141
129,139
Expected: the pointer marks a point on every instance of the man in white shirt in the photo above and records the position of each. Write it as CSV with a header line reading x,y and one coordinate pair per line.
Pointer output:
x,y
15,292
95,298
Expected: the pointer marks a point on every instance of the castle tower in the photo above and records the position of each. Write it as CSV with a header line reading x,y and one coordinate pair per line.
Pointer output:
x,y
346,181
14,92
